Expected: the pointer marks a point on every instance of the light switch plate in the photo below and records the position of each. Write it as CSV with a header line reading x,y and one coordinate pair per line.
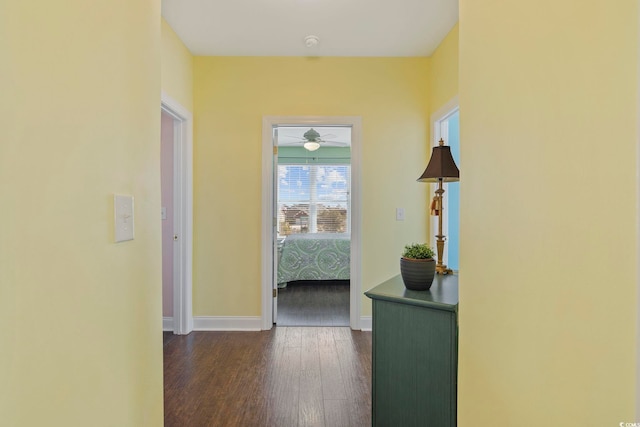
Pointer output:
x,y
399,214
163,213
123,207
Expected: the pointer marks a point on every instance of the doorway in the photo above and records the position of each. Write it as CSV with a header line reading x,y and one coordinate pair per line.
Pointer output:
x,y
176,215
284,218
312,238
167,140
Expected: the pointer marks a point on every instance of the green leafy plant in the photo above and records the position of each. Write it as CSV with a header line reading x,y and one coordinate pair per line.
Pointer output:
x,y
418,251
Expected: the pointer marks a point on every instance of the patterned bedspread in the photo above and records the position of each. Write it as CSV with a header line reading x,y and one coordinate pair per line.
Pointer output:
x,y
314,257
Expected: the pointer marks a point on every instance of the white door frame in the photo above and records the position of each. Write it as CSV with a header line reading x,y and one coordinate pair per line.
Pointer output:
x,y
355,293
182,214
437,118
638,242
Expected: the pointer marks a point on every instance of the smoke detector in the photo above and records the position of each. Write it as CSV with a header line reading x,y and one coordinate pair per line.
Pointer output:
x,y
311,41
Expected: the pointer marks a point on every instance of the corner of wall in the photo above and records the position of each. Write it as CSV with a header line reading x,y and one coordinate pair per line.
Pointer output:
x,y
176,63
443,76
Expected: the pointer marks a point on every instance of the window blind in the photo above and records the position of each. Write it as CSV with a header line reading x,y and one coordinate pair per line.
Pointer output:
x,y
313,198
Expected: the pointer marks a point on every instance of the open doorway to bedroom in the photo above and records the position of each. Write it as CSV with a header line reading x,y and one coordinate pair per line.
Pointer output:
x,y
312,238
345,182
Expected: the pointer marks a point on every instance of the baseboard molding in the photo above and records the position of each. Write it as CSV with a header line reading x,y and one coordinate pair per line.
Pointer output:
x,y
232,323
167,324
366,323
238,323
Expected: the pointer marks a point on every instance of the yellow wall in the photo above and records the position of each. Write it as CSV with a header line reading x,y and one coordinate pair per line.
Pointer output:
x,y
80,316
233,94
176,68
548,297
443,80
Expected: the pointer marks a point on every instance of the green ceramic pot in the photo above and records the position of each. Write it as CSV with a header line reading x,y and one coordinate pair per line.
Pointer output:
x,y
417,274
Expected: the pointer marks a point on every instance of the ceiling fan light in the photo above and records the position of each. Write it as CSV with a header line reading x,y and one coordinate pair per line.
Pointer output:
x,y
311,41
311,145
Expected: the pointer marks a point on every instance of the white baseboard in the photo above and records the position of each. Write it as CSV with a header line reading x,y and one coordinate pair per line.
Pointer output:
x,y
232,323
366,323
238,323
167,324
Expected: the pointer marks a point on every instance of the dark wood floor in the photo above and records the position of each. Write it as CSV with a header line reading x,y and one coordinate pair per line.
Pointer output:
x,y
314,303
289,376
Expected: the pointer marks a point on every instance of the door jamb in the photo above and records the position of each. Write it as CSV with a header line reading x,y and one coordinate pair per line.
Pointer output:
x,y
183,214
355,293
637,408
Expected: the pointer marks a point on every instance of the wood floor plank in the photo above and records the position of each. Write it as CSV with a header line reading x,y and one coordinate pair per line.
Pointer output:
x,y
311,383
311,413
337,413
340,334
309,343
331,374
354,372
281,415
293,337
283,376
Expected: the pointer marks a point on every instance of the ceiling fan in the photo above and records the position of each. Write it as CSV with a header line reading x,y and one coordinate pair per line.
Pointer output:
x,y
311,140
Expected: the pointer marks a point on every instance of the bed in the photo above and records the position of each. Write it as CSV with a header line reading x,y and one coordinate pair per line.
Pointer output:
x,y
323,256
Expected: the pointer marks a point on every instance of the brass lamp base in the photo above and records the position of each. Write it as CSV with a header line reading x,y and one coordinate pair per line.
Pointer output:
x,y
442,269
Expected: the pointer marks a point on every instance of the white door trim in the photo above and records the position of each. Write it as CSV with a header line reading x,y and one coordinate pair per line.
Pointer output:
x,y
355,297
437,118
638,235
183,214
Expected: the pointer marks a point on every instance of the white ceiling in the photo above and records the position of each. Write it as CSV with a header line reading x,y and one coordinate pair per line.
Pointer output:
x,y
278,27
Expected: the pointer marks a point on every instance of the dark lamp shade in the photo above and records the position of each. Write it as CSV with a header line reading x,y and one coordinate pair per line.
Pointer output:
x,y
441,166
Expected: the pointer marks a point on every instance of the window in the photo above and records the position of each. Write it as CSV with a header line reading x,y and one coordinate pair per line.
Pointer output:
x,y
313,198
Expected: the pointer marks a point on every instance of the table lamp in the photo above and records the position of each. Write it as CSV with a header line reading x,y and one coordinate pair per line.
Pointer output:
x,y
441,168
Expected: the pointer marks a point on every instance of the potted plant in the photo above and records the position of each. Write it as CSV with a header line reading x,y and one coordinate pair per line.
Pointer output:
x,y
417,266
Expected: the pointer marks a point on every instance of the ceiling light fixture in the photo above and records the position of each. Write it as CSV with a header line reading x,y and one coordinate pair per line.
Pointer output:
x,y
311,41
311,145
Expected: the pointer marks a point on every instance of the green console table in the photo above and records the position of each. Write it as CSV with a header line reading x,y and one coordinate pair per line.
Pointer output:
x,y
415,353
